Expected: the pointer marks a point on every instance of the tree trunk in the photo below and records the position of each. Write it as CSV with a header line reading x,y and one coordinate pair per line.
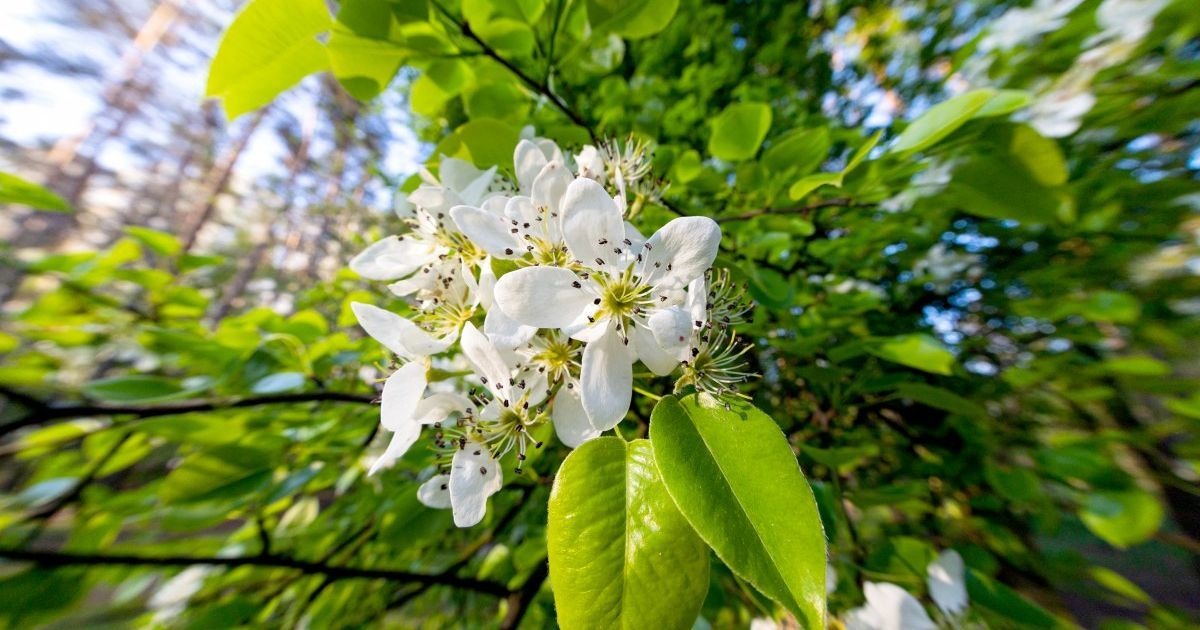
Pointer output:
x,y
217,181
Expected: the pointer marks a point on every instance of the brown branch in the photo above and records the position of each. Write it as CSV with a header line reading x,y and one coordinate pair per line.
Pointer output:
x,y
801,210
65,559
541,87
519,601
41,411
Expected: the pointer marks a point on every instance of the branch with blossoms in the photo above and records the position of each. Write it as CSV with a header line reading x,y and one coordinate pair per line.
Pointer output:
x,y
550,295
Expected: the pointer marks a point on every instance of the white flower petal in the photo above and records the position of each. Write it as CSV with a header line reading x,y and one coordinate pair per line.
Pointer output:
x,y
519,209
606,380
401,393
528,161
402,206
505,331
486,360
545,297
440,406
550,186
413,284
684,249
396,333
947,586
660,360
463,178
434,199
895,608
435,492
393,257
591,223
400,443
862,618
590,163
672,330
488,231
474,476
697,300
487,283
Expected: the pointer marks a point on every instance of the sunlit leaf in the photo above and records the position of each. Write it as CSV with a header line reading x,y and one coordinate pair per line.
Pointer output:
x,y
734,477
621,555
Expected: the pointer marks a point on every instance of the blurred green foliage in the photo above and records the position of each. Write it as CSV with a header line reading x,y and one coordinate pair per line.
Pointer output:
x,y
975,336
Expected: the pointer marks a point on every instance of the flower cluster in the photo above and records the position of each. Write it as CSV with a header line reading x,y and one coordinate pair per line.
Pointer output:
x,y
551,295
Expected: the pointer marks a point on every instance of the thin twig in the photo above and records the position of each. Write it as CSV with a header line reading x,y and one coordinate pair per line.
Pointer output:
x,y
41,412
65,559
519,601
801,210
541,87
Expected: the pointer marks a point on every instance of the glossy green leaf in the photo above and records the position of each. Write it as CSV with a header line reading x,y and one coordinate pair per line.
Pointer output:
x,y
916,351
632,19
268,48
621,554
279,382
1000,188
362,53
735,478
161,243
940,121
134,389
1040,156
17,191
1006,605
1122,518
739,131
806,185
942,399
1004,102
798,151
223,472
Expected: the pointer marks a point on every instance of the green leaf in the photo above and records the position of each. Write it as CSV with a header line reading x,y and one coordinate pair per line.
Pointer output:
x,y
362,54
940,121
798,151
739,130
844,459
160,243
33,595
134,389
941,399
222,472
1001,188
916,350
1007,604
1119,584
484,141
806,185
621,554
280,382
1122,518
1136,366
509,37
632,19
768,287
268,48
20,192
734,477
862,153
1004,102
441,81
1040,156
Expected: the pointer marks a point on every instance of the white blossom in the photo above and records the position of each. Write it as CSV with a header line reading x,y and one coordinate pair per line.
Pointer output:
x,y
615,296
888,607
947,584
